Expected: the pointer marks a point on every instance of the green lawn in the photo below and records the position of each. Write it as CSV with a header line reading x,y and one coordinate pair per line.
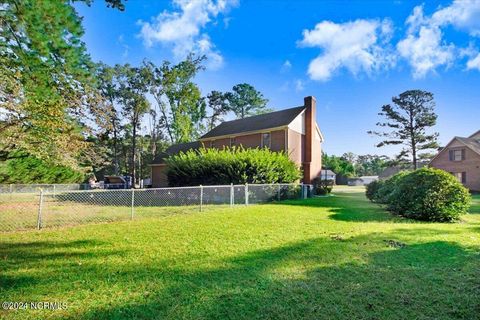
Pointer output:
x,y
335,257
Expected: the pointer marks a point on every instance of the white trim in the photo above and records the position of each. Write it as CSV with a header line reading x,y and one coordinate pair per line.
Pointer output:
x,y
319,132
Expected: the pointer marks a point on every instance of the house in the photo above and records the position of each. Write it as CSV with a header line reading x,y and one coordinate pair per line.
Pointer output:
x,y
362,181
293,130
328,175
461,157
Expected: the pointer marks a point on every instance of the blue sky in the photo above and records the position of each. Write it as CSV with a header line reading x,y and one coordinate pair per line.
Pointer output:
x,y
352,56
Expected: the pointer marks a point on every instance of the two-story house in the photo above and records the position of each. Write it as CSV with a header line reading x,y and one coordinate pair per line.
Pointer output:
x,y
293,130
461,157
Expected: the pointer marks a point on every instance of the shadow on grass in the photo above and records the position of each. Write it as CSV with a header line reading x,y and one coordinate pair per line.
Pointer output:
x,y
61,256
352,207
411,281
375,276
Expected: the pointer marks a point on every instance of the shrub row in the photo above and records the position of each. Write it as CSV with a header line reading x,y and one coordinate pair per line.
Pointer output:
x,y
230,165
426,194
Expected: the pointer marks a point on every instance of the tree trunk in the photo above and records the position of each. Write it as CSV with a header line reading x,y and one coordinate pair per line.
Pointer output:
x,y
134,146
413,143
115,149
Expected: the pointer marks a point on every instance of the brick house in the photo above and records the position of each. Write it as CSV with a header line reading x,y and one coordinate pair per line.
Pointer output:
x,y
293,130
461,157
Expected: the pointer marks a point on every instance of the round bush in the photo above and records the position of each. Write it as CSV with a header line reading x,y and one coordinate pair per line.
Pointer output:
x,y
429,194
372,190
387,187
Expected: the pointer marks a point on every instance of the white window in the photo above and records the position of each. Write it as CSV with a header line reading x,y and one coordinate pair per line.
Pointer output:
x,y
457,155
212,143
233,142
266,140
461,176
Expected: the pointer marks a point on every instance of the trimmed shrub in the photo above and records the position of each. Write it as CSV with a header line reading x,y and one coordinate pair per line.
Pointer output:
x,y
387,187
431,195
372,190
230,165
322,186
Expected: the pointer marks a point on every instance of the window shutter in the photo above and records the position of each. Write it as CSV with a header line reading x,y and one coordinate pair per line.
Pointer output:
x,y
464,177
450,155
463,154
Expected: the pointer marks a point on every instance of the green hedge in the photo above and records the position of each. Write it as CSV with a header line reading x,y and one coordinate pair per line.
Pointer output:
x,y
230,165
426,194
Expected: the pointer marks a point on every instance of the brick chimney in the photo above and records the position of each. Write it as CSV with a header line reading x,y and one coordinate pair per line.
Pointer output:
x,y
310,116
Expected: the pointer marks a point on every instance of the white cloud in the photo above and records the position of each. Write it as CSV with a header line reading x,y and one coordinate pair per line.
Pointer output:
x,y
184,29
424,47
296,85
299,85
462,14
286,66
474,63
425,51
358,46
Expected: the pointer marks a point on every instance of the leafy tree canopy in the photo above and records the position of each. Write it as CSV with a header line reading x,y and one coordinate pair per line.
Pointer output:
x,y
407,122
246,101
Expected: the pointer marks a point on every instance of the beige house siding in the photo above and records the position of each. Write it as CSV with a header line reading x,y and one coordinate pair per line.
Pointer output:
x,y
296,142
471,164
316,164
159,176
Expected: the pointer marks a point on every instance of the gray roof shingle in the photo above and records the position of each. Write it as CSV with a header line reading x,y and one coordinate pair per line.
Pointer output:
x,y
255,123
471,143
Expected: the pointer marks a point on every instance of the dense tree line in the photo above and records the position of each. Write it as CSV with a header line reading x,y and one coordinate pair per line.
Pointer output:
x,y
350,165
60,108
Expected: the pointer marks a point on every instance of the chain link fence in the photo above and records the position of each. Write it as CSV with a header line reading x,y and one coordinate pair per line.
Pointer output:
x,y
54,208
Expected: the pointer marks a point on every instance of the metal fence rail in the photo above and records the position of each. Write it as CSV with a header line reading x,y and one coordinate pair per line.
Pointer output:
x,y
35,188
54,208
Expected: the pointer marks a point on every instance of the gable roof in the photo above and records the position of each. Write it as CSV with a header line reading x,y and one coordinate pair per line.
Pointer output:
x,y
261,122
470,143
174,149
476,133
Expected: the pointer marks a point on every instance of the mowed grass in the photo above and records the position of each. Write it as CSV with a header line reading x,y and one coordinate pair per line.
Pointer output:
x,y
337,257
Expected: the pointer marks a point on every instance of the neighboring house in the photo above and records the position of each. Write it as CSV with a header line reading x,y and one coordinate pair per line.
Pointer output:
x,y
362,181
328,175
294,131
461,157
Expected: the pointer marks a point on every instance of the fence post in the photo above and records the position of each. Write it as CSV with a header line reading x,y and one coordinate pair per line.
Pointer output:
x,y
301,190
54,191
246,194
278,193
39,216
231,195
133,204
201,198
